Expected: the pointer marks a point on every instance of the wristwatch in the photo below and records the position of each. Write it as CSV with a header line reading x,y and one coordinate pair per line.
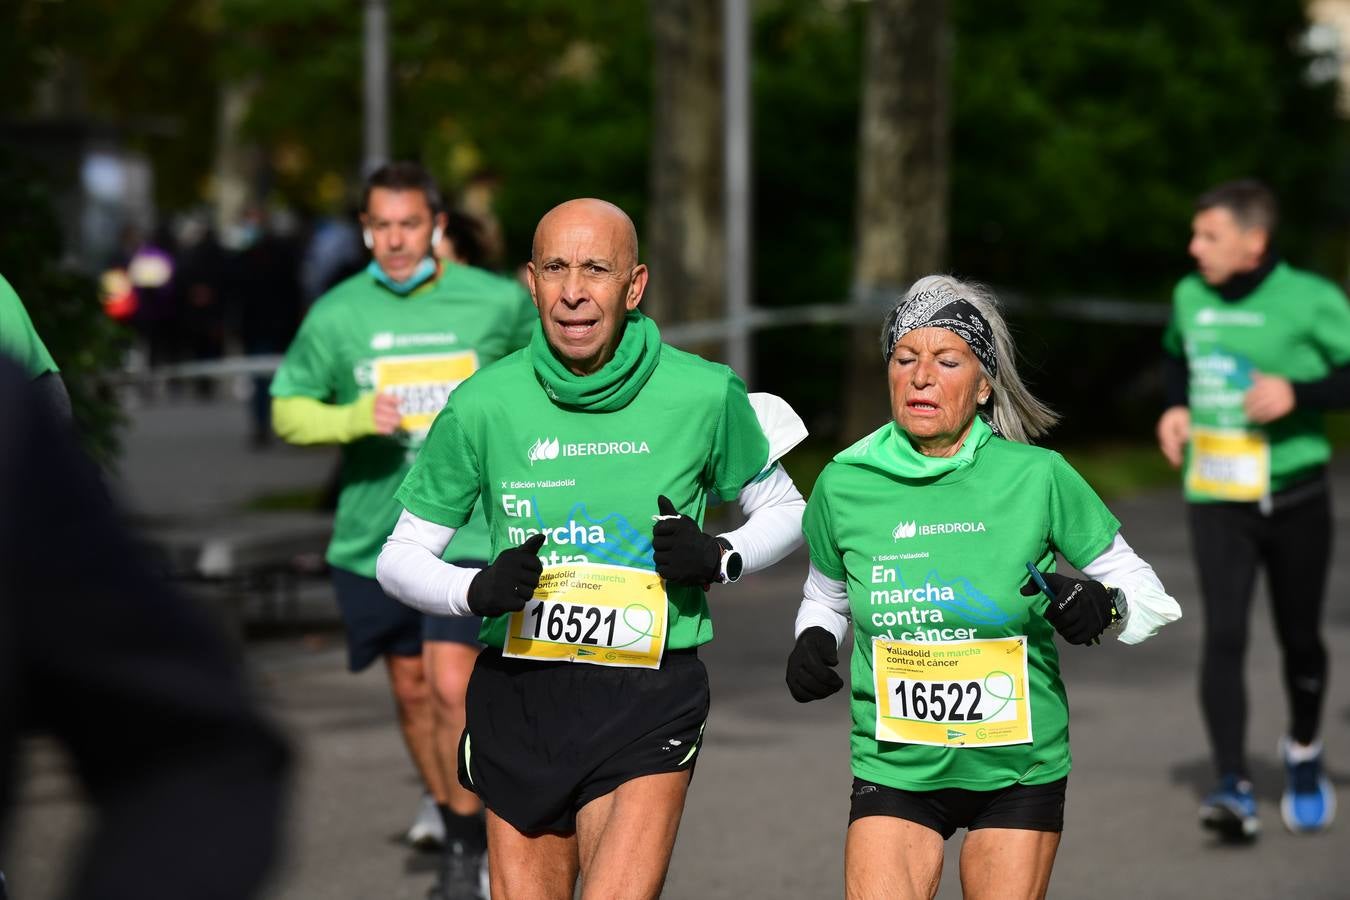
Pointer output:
x,y
732,565
1119,608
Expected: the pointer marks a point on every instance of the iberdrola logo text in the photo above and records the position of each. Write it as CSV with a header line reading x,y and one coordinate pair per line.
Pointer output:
x,y
911,529
550,448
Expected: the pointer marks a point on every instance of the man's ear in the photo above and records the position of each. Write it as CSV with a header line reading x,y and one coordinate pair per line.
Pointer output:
x,y
530,276
637,286
1256,241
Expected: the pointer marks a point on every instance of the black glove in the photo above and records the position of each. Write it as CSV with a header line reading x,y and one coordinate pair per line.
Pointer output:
x,y
810,668
684,554
507,584
1081,610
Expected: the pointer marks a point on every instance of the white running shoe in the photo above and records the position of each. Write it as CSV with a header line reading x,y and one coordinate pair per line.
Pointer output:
x,y
427,831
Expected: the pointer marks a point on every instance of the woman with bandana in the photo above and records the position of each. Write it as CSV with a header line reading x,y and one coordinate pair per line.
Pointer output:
x,y
931,535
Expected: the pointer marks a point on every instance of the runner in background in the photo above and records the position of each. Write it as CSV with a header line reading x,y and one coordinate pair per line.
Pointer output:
x,y
1256,351
923,534
373,363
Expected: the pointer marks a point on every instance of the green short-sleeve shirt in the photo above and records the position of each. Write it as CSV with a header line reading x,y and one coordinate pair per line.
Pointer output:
x,y
589,480
18,338
1294,325
943,560
361,337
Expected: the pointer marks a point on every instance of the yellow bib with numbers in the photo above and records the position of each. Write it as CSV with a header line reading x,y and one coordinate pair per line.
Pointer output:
x,y
1229,464
423,384
955,694
592,613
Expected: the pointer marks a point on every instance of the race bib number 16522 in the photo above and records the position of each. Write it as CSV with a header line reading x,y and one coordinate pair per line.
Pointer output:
x,y
952,693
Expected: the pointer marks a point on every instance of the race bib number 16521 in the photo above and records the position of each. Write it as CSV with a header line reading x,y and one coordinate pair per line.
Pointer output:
x,y
592,613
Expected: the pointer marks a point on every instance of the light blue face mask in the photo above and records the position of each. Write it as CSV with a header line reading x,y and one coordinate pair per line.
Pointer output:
x,y
424,272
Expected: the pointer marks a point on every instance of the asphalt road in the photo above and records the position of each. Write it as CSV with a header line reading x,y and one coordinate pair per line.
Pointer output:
x,y
768,806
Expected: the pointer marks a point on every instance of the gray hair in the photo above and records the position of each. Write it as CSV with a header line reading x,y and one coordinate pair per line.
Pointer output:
x,y
1011,409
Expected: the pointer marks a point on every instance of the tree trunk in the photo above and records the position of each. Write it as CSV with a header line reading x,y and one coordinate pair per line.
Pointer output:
x,y
902,183
685,235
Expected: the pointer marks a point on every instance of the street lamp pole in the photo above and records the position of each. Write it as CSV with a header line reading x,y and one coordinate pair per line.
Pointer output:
x,y
376,55
737,200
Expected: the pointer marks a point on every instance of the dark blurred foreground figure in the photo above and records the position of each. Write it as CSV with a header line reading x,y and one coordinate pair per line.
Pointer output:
x,y
185,777
1256,351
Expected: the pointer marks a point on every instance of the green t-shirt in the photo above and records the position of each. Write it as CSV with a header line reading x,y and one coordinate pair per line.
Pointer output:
x,y
1294,325
17,336
943,559
589,480
361,337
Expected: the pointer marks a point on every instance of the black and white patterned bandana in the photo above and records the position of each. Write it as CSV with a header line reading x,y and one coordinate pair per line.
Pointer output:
x,y
942,307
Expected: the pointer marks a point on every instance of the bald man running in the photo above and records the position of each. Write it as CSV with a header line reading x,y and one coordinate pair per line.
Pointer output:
x,y
594,452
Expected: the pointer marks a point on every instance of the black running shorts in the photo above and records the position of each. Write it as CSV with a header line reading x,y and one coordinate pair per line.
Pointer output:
x,y
542,740
377,625
1031,807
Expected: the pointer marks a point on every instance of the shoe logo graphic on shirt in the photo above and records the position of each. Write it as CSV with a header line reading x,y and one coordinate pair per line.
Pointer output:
x,y
544,448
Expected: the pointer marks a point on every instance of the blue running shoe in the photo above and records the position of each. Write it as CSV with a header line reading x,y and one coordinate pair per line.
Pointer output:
x,y
1309,801
1230,810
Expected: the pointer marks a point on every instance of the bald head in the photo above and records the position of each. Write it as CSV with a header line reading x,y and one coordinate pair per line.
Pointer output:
x,y
585,279
599,218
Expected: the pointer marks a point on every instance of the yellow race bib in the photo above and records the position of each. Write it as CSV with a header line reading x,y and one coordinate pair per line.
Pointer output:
x,y
592,613
1229,464
423,383
952,693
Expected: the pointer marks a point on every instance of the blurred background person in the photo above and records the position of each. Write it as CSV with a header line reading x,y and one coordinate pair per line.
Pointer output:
x,y
462,240
1257,350
374,362
260,289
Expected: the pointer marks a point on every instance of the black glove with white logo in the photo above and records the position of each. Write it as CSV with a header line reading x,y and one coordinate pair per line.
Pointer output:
x,y
684,553
507,585
810,668
1081,610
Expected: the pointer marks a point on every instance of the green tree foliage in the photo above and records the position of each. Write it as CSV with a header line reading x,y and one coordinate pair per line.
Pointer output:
x,y
550,95
147,67
1085,128
1082,129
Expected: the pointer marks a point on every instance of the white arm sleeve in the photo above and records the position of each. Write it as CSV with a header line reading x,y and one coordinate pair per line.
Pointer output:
x,y
773,527
410,568
824,603
1150,606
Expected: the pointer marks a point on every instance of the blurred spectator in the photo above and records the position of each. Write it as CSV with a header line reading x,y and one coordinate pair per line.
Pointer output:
x,y
185,777
478,199
262,293
462,241
150,267
332,254
201,307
